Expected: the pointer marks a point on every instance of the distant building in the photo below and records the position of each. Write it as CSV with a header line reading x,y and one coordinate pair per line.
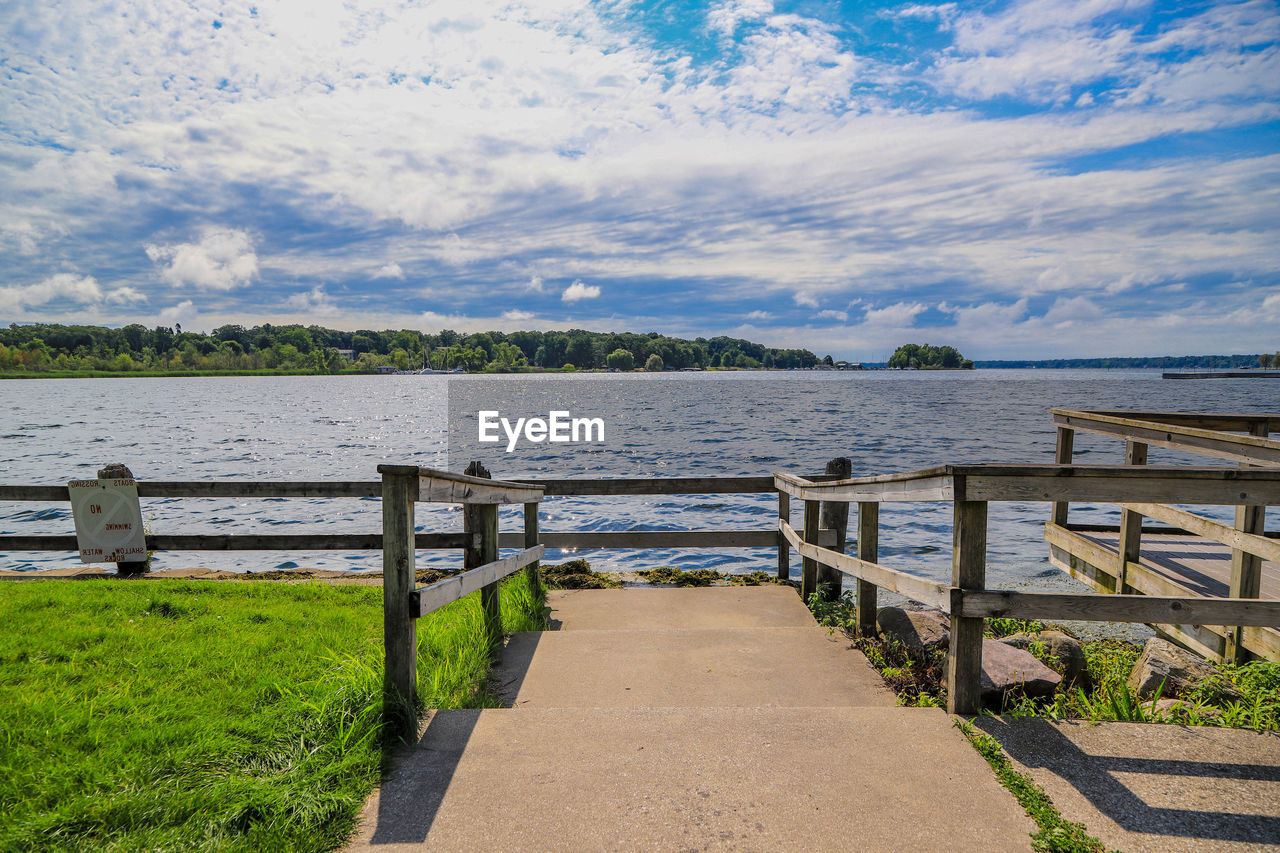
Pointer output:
x,y
385,368
348,354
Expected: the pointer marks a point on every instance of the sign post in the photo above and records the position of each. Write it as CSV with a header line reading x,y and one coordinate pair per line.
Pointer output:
x,y
108,520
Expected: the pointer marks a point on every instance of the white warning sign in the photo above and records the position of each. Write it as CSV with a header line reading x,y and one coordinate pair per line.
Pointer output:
x,y
108,520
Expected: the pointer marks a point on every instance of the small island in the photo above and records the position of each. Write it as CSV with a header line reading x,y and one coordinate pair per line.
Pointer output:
x,y
928,357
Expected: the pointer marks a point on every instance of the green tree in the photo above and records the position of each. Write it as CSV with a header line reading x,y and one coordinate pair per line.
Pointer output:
x,y
654,363
621,359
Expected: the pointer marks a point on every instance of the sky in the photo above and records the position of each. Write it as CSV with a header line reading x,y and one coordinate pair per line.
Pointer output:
x,y
1026,179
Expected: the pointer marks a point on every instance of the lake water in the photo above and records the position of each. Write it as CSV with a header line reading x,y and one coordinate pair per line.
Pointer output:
x,y
310,428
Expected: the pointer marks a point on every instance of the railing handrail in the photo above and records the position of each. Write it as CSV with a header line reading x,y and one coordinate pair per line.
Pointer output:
x,y
1189,432
1048,483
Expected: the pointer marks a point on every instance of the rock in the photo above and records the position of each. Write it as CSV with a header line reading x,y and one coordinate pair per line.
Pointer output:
x,y
1065,648
1006,668
1178,669
918,630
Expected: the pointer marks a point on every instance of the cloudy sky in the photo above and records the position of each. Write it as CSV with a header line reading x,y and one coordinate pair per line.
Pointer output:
x,y
1020,179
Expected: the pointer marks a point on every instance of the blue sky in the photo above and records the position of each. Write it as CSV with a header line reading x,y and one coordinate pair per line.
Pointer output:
x,y
1020,179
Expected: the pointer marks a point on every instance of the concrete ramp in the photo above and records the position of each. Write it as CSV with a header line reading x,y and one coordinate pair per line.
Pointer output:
x,y
690,719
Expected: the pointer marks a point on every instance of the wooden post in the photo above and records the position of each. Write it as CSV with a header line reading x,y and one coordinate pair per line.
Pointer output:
x,y
483,519
531,539
1130,544
835,516
1066,448
399,623
784,547
968,571
1246,569
809,567
869,550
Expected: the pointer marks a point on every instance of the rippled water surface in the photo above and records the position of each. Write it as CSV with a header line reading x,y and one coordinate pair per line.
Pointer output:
x,y
305,428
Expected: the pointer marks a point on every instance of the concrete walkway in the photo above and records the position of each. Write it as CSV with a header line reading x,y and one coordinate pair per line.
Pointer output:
x,y
690,719
1153,788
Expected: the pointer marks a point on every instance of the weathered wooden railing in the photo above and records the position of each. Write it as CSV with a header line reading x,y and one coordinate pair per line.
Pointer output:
x,y
969,489
403,486
402,603
1239,438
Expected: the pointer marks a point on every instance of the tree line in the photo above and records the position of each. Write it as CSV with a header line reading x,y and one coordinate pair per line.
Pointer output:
x,y
1150,362
49,347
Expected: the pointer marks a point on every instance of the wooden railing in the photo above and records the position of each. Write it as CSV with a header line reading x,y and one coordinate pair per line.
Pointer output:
x,y
1240,438
399,489
969,489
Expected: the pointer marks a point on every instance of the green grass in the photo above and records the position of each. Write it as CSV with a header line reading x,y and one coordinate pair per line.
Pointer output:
x,y
210,716
1053,834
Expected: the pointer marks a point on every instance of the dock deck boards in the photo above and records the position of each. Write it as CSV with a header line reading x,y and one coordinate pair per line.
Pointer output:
x,y
1200,565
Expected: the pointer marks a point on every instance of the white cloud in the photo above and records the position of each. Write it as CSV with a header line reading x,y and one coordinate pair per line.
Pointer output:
x,y
517,316
125,296
183,314
805,299
897,315
313,301
579,291
724,18
223,259
831,314
78,289
391,270
535,284
759,315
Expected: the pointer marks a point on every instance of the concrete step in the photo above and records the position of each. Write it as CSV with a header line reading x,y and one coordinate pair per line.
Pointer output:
x,y
688,667
692,779
768,606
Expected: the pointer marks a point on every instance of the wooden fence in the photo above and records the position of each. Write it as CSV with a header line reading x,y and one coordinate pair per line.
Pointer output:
x,y
400,488
970,489
826,500
1239,438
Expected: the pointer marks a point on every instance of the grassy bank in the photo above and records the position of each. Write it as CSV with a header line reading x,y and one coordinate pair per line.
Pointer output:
x,y
189,715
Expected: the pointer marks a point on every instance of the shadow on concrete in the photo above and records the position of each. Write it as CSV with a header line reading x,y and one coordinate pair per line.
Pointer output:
x,y
508,675
411,793
1037,743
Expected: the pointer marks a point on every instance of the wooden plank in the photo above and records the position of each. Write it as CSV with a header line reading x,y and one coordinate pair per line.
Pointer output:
x,y
482,518
258,489
868,553
1246,568
399,626
1085,556
448,487
645,539
1116,608
1250,449
1111,484
835,517
1063,455
530,541
808,565
246,542
784,548
968,571
446,591
34,493
930,484
1130,550
1221,421
656,486
904,583
1256,543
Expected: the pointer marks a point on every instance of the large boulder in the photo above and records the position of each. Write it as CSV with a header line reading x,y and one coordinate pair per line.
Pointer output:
x,y
1006,669
918,630
1181,671
1062,647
